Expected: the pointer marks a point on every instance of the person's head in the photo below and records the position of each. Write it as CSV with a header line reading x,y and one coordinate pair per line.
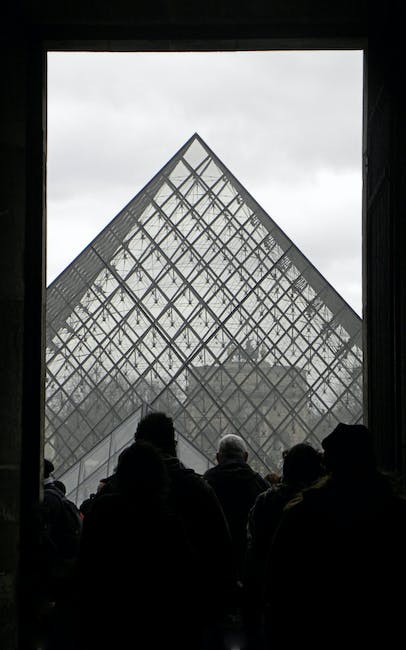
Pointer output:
x,y
231,447
141,472
61,486
48,468
272,478
349,450
101,484
158,430
302,465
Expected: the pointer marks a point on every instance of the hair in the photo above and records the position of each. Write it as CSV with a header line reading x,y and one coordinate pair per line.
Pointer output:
x,y
272,478
141,472
232,446
158,430
61,486
349,449
48,468
302,464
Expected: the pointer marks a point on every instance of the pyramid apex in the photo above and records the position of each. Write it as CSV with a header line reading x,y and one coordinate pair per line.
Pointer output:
x,y
195,136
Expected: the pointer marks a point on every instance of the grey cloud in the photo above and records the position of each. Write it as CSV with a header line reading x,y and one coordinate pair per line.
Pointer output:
x,y
277,111
275,119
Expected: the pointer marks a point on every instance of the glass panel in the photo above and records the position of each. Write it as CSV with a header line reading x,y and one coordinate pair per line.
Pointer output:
x,y
197,304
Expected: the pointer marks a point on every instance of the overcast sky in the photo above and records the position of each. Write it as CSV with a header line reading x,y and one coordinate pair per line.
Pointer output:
x,y
288,125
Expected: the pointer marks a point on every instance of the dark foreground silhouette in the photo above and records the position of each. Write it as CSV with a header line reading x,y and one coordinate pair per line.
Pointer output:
x,y
325,563
338,557
137,587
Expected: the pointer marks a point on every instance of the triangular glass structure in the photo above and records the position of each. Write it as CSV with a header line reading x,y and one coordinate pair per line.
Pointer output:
x,y
193,301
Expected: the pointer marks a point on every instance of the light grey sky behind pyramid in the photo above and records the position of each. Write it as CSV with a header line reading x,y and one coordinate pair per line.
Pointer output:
x,y
288,125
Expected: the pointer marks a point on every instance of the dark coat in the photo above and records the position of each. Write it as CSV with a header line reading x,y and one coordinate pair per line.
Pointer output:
x,y
193,499
336,561
136,576
263,520
61,531
162,568
237,486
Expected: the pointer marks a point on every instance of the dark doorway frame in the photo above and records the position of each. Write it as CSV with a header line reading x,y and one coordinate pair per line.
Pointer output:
x,y
30,30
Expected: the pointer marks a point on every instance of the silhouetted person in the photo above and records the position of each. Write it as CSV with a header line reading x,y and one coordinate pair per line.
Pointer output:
x,y
196,503
137,574
60,539
87,503
302,466
337,556
237,486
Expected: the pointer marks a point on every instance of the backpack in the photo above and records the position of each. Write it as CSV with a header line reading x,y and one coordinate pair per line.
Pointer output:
x,y
64,525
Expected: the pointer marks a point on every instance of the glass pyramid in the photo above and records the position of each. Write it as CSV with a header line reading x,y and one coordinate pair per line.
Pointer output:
x,y
194,302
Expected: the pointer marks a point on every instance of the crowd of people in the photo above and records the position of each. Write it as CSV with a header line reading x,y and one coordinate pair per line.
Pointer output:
x,y
160,556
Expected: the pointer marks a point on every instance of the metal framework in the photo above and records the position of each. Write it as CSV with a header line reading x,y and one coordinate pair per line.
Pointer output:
x,y
193,301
